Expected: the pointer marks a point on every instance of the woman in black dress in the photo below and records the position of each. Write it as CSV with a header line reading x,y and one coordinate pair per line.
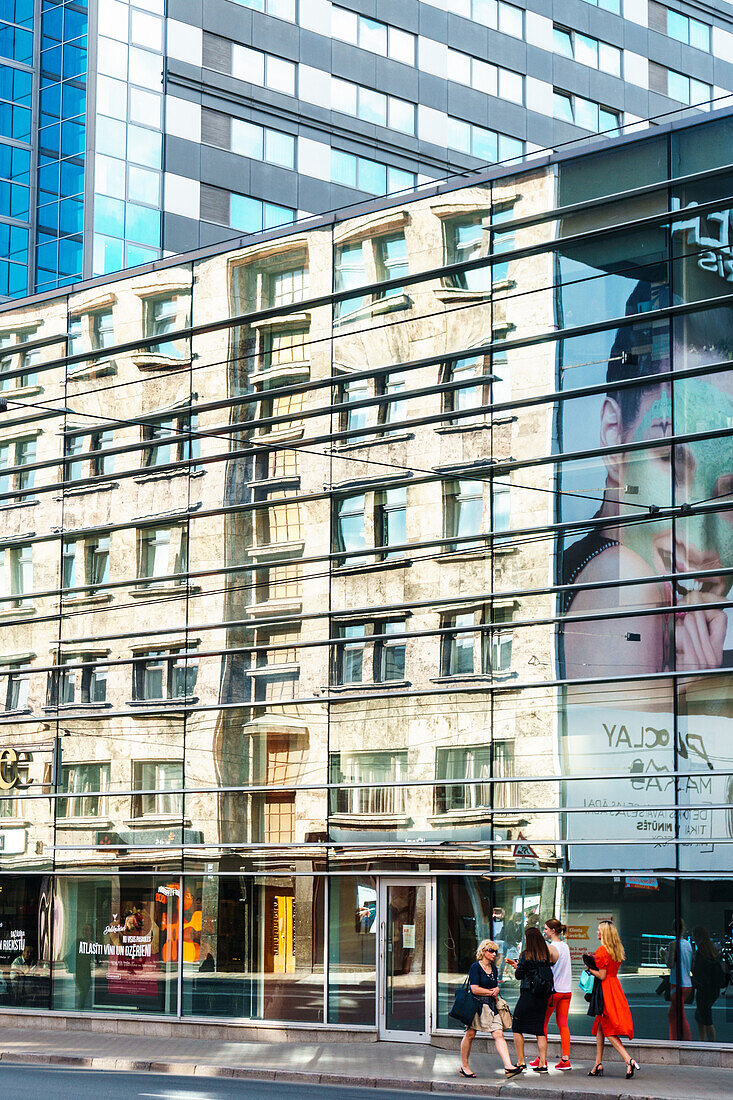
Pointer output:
x,y
534,971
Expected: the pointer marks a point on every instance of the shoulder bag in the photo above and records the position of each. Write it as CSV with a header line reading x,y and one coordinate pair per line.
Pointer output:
x,y
465,1005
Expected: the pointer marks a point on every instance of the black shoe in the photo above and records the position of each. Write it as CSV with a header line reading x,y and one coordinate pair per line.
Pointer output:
x,y
597,1070
521,1065
540,1069
630,1069
464,1074
512,1072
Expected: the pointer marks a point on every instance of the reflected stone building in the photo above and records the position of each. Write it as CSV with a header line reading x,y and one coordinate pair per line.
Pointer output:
x,y
364,593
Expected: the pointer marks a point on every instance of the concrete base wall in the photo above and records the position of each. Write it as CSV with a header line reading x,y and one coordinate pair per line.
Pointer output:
x,y
648,1053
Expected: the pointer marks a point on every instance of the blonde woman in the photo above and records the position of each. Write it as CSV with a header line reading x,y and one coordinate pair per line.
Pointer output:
x,y
483,981
616,1019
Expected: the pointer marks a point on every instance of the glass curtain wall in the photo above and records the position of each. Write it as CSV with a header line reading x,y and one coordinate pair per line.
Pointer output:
x,y
291,601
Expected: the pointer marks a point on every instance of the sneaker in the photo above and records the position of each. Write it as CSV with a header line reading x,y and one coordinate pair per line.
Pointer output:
x,y
564,1063
535,1063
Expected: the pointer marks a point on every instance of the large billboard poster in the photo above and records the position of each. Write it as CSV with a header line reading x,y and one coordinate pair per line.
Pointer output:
x,y
644,563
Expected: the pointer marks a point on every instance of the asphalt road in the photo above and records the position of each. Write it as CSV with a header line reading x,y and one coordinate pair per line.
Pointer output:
x,y
53,1083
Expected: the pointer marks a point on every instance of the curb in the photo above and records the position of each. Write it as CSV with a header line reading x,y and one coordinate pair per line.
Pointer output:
x,y
308,1077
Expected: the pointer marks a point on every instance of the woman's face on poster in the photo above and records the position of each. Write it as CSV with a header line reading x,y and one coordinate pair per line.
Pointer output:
x,y
695,472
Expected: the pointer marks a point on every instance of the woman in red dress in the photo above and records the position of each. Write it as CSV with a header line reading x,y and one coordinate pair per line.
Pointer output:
x,y
616,1019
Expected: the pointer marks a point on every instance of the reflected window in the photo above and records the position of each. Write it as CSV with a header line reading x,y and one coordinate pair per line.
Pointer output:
x,y
88,454
391,387
350,272
391,262
164,674
470,379
370,652
467,239
390,521
89,331
285,346
288,286
456,767
77,680
163,316
97,562
463,513
17,371
274,668
20,560
80,780
367,770
351,393
457,645
17,684
157,780
281,522
162,551
497,641
349,534
167,439
17,456
586,50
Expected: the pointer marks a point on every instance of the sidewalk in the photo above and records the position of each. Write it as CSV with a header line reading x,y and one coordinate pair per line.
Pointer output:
x,y
370,1064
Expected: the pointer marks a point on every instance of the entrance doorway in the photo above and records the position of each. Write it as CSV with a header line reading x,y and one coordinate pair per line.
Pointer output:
x,y
407,943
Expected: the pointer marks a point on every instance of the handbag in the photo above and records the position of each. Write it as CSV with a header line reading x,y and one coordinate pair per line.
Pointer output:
x,y
505,1014
586,982
465,1005
663,989
596,1005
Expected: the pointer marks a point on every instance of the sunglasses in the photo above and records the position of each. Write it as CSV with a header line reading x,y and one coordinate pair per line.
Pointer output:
x,y
491,951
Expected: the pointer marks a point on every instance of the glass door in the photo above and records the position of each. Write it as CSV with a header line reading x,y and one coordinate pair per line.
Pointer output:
x,y
407,941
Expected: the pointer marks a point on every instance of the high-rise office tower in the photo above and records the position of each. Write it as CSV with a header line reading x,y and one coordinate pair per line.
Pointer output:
x,y
134,128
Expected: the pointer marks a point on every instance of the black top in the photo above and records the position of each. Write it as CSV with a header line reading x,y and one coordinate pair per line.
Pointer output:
x,y
528,968
577,556
478,976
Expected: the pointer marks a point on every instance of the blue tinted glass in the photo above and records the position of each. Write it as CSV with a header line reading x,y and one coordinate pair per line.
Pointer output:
x,y
15,242
372,177
678,26
484,144
73,100
111,136
136,254
21,124
14,200
4,277
276,215
107,254
16,84
46,255
72,137
17,11
50,140
16,43
71,216
50,103
72,177
144,146
343,168
70,257
15,163
510,147
109,217
52,26
75,24
245,214
48,217
17,279
75,61
51,61
142,225
399,180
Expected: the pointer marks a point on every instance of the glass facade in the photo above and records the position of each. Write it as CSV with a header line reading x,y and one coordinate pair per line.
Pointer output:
x,y
16,128
384,609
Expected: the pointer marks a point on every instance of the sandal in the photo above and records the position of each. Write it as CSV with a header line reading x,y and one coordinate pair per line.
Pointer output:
x,y
597,1070
512,1072
464,1074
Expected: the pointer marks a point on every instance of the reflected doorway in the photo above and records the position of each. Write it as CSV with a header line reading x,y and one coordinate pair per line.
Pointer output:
x,y
406,958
